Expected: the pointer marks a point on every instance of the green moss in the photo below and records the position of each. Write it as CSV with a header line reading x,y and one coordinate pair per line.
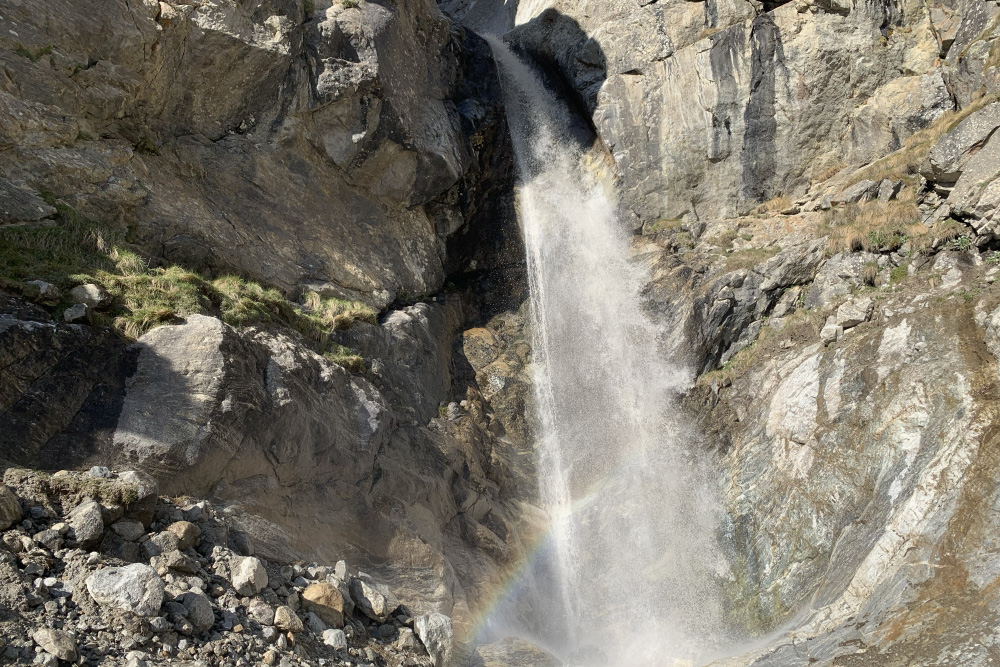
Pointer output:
x,y
34,55
897,274
77,250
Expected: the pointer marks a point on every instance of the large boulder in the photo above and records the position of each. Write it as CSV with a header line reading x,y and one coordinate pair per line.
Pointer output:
x,y
374,599
10,508
326,601
57,642
249,576
437,636
87,522
133,588
948,158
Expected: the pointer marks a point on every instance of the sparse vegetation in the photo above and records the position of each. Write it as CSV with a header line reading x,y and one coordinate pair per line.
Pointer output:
x,y
776,205
897,274
147,146
993,257
34,55
349,4
663,225
749,258
873,226
869,273
77,250
963,242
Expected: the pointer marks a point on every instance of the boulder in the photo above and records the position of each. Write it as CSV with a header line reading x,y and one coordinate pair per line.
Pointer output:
x,y
888,190
286,619
199,611
10,508
77,314
187,533
335,638
261,612
249,576
42,292
375,600
859,192
436,634
57,642
128,530
831,330
326,601
947,160
17,205
93,296
854,312
134,588
87,523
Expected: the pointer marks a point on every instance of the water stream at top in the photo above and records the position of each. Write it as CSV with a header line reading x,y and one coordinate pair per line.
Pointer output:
x,y
632,558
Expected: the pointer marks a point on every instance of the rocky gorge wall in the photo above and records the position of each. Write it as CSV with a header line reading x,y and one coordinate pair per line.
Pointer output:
x,y
812,185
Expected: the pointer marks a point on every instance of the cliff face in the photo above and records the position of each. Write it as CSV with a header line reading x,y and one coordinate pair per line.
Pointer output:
x,y
814,188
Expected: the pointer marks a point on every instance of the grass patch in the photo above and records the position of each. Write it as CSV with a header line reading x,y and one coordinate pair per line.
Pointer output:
x,y
34,55
897,274
873,226
749,258
663,225
776,205
349,4
77,250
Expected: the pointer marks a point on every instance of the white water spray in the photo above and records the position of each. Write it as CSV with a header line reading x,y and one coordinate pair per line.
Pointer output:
x,y
633,554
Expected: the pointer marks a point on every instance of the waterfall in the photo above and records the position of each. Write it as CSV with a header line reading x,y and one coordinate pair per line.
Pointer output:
x,y
632,562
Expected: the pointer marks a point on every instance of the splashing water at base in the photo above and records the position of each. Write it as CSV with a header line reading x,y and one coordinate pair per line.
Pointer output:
x,y
632,558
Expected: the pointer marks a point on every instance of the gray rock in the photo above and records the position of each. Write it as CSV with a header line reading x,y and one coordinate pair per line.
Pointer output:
x,y
435,633
407,640
248,575
146,486
42,292
77,314
93,296
199,611
10,508
314,623
854,311
859,192
336,638
947,160
128,529
187,533
831,330
57,642
888,190
513,651
87,522
135,588
160,543
375,600
99,472
261,612
17,205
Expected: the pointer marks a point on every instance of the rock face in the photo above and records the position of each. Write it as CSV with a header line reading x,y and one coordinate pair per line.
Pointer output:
x,y
384,120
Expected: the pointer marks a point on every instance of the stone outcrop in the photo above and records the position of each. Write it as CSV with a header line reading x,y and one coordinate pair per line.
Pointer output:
x,y
309,145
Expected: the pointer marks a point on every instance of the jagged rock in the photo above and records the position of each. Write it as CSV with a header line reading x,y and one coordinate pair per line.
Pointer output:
x,y
128,529
326,601
160,543
135,588
175,560
888,190
435,633
854,311
249,576
93,296
57,642
859,192
336,638
950,155
87,522
10,508
17,205
314,623
42,292
831,331
286,619
407,641
375,600
187,534
199,611
261,612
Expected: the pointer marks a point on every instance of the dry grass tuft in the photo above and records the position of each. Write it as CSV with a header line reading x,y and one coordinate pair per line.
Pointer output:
x,y
873,226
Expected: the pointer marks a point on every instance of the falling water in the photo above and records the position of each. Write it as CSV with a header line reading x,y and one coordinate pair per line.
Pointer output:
x,y
633,557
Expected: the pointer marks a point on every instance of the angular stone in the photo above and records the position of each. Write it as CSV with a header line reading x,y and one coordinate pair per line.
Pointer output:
x,y
854,312
888,190
199,611
830,331
87,522
187,533
859,192
57,642
946,161
287,620
261,612
135,588
10,508
336,638
249,576
435,632
17,205
42,292
375,600
93,296
128,529
326,601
